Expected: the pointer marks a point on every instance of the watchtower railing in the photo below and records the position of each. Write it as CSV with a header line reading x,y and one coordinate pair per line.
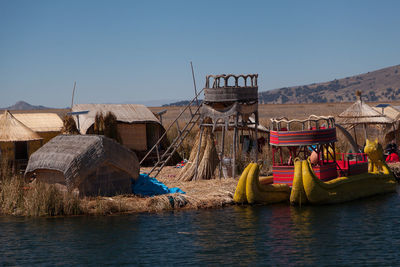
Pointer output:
x,y
313,122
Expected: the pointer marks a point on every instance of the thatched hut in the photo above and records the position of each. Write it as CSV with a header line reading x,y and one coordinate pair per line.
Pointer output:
x,y
361,114
392,112
137,126
46,125
91,164
17,141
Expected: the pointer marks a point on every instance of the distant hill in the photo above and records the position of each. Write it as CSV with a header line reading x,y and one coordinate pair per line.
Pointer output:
x,y
181,103
379,85
376,86
22,105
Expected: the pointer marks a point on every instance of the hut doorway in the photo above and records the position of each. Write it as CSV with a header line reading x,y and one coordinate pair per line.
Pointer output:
x,y
153,134
21,150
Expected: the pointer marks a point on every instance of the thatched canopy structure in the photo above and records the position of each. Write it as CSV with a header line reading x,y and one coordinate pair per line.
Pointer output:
x,y
392,112
137,126
11,129
361,114
47,125
92,164
17,141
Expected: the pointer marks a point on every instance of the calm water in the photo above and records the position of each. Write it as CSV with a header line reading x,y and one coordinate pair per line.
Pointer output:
x,y
364,232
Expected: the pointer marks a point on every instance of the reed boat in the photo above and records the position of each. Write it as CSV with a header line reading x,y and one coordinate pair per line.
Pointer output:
x,y
322,176
341,189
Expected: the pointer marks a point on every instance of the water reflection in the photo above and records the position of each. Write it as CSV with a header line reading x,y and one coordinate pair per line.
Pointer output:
x,y
361,232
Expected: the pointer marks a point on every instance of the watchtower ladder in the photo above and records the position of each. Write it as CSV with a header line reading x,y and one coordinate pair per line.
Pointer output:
x,y
162,160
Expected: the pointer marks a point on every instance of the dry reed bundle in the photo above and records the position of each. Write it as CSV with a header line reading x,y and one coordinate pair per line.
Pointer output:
x,y
111,127
208,158
98,126
107,125
69,125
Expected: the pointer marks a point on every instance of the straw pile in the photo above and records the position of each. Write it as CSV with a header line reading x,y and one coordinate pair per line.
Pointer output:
x,y
69,125
106,125
98,126
208,158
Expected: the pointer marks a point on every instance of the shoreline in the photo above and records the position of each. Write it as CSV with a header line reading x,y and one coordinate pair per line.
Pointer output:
x,y
202,194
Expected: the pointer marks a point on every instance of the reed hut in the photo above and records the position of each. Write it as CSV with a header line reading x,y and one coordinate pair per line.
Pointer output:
x,y
46,125
359,114
137,126
91,164
392,112
17,141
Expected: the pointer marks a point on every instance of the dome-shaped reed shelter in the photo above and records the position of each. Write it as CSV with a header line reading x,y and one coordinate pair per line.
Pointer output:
x,y
92,164
359,114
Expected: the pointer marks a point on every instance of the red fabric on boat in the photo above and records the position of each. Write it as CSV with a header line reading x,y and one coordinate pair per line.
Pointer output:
x,y
393,157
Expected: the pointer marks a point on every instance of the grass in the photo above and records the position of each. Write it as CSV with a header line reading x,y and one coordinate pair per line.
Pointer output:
x,y
17,197
20,198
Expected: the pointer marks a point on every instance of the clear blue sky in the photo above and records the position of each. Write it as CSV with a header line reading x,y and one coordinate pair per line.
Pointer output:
x,y
134,51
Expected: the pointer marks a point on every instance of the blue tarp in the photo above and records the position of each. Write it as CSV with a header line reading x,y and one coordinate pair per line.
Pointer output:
x,y
148,186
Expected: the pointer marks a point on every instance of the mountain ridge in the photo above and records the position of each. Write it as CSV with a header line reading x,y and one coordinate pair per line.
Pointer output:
x,y
379,85
22,105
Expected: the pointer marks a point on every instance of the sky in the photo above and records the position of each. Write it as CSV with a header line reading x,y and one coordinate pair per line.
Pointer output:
x,y
140,51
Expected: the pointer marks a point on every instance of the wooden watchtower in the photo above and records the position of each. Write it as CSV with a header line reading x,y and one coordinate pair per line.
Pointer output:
x,y
230,103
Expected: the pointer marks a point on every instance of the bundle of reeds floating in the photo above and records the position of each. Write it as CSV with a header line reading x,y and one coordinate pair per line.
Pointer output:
x,y
69,125
208,158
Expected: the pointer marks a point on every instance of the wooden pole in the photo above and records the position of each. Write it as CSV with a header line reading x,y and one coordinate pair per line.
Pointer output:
x,y
73,93
355,136
198,152
234,147
256,133
365,132
222,151
194,83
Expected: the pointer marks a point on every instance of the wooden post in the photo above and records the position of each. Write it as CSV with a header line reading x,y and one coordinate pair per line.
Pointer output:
x,y
355,136
222,151
234,147
194,84
73,93
256,132
365,132
198,152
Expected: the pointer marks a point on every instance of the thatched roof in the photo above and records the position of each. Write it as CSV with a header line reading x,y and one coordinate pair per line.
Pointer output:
x,y
259,128
76,156
41,122
12,130
361,113
130,113
392,112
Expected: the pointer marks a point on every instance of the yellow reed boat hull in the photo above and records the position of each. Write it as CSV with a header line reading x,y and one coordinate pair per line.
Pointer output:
x,y
251,190
338,190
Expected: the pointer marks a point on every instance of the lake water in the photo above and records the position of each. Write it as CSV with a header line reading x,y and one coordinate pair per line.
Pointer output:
x,y
362,232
